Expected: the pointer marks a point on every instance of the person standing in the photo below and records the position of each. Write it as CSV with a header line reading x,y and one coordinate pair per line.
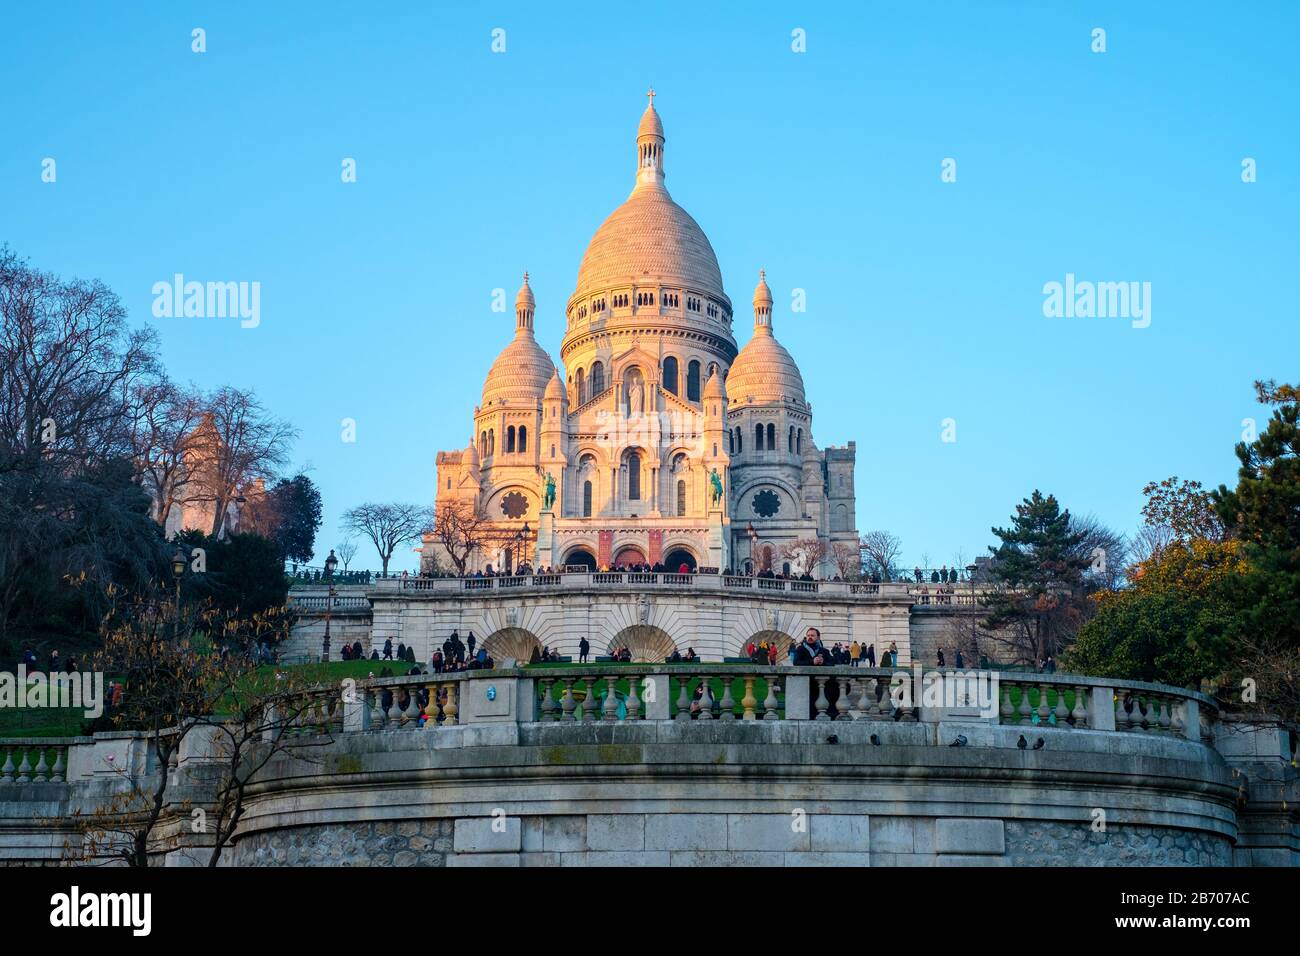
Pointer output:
x,y
584,648
472,641
871,655
855,652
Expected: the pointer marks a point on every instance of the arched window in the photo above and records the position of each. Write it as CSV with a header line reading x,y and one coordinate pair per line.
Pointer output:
x,y
597,379
634,477
731,442
758,437
510,439
740,440
523,438
681,498
482,445
492,441
798,442
791,439
771,437
693,381
670,374
586,499
581,382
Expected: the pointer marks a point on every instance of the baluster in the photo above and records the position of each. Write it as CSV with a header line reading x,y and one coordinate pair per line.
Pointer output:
x,y
906,707
42,771
413,707
60,771
1061,712
633,700
1023,709
771,706
375,701
1080,712
683,699
451,708
1165,721
1178,718
706,700
1043,712
1122,719
431,708
24,768
727,706
611,699
823,705
7,771
567,703
865,700
589,702
548,705
749,703
844,705
1006,710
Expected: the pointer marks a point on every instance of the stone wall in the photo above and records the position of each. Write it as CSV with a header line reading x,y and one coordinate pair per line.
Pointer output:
x,y
1045,843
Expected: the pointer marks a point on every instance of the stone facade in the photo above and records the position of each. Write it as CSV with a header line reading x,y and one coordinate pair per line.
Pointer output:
x,y
661,442
1044,843
383,843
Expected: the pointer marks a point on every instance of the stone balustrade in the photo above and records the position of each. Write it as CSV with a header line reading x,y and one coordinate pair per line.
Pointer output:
x,y
33,760
961,595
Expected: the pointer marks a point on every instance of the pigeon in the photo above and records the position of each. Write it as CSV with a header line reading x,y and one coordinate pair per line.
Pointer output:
x,y
833,739
1022,743
959,742
1039,743
875,740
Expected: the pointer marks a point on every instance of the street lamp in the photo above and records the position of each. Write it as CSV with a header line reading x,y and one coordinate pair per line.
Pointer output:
x,y
525,532
179,560
330,564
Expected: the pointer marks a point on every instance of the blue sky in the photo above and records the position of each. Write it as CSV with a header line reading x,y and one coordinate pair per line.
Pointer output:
x,y
924,298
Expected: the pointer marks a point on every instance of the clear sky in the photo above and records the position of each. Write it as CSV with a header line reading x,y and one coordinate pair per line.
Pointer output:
x,y
924,298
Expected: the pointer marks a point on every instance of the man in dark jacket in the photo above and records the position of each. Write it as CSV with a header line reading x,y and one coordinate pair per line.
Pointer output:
x,y
811,651
584,648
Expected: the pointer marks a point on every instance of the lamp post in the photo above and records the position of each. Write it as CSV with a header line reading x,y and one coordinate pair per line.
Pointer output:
x,y
330,564
179,560
970,575
525,533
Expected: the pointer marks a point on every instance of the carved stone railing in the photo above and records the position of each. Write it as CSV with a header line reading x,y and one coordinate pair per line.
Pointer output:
x,y
1067,701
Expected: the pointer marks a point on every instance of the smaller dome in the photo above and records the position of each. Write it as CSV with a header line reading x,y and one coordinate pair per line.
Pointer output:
x,y
525,298
520,372
650,124
555,388
714,387
471,453
762,294
764,373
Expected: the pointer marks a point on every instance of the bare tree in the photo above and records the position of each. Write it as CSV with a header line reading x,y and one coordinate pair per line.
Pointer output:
x,y
808,553
164,417
346,550
882,550
847,559
236,443
463,528
387,525
1105,550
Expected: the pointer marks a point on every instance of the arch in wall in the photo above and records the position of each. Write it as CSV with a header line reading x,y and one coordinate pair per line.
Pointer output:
x,y
648,644
512,642
580,554
629,554
781,638
678,556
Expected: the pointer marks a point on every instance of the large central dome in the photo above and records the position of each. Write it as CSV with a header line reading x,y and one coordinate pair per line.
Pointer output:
x,y
649,237
650,240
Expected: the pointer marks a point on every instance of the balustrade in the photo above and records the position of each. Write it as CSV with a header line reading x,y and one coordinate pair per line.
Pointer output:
x,y
36,762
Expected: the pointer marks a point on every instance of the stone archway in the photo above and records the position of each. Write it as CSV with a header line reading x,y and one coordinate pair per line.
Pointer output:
x,y
648,644
629,554
678,556
780,638
581,555
512,642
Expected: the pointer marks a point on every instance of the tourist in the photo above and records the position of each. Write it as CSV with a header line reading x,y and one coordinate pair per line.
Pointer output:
x,y
812,651
871,655
771,654
584,648
690,654
960,660
356,650
940,657
436,662
471,641
388,648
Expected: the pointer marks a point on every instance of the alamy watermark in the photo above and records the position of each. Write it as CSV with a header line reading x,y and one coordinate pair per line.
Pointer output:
x,y
208,300
1082,299
84,690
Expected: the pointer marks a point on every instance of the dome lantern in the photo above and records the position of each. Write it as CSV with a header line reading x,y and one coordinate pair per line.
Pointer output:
x,y
762,304
650,145
525,306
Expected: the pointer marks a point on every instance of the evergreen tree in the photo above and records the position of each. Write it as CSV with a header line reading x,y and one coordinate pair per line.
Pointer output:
x,y
1038,601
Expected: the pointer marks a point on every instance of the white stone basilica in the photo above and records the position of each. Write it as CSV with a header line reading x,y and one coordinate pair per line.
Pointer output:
x,y
659,443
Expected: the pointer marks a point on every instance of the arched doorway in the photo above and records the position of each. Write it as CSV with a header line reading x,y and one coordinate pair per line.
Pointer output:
x,y
648,644
581,556
630,554
677,557
512,642
781,639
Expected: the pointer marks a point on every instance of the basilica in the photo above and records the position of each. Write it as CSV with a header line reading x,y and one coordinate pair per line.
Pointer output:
x,y
656,441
